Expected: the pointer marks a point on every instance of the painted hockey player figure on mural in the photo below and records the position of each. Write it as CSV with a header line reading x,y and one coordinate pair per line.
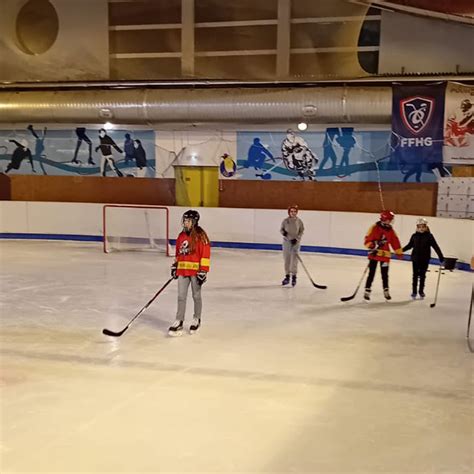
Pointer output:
x,y
257,155
297,156
128,148
19,154
106,144
347,142
39,145
328,147
82,137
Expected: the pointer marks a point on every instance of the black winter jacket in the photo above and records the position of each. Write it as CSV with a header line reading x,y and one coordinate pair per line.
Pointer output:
x,y
421,243
105,146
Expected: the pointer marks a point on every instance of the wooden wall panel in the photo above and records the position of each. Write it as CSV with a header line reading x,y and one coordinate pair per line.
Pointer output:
x,y
92,189
402,198
5,187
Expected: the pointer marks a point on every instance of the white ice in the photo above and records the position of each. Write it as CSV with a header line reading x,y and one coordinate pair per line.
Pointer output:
x,y
277,379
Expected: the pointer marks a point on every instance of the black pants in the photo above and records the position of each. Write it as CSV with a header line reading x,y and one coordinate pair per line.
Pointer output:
x,y
383,270
419,272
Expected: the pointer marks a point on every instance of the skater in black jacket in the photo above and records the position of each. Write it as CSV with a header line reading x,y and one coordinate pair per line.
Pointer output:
x,y
421,242
106,144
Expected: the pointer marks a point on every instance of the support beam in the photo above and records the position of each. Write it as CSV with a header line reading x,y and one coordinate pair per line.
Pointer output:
x,y
283,39
187,38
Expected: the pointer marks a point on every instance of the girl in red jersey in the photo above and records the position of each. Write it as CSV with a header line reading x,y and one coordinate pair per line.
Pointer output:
x,y
378,240
193,253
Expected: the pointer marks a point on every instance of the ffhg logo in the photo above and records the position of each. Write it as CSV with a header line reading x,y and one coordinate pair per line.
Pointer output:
x,y
416,112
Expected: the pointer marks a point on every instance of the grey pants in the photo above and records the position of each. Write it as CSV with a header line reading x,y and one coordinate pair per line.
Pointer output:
x,y
183,286
290,253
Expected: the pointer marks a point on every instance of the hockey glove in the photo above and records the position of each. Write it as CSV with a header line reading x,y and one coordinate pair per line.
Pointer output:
x,y
174,269
284,232
201,277
294,241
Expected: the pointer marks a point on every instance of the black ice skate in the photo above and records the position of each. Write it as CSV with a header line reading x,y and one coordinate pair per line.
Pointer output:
x,y
386,293
293,280
195,325
286,280
367,294
176,329
413,295
422,294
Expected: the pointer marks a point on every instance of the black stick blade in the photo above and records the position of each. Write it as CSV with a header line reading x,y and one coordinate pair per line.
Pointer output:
x,y
108,332
321,287
347,298
432,305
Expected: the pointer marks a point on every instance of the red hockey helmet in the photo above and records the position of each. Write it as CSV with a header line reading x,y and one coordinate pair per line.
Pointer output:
x,y
294,206
387,216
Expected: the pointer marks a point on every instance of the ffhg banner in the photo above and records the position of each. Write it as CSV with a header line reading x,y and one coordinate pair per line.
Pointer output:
x,y
417,126
459,124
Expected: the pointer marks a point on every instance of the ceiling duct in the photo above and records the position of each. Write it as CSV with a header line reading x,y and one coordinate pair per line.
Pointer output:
x,y
199,106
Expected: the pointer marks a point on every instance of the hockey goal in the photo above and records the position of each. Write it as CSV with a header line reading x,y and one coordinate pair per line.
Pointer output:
x,y
135,227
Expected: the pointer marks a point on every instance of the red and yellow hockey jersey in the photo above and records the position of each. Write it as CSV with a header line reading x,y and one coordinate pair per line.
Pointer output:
x,y
379,239
189,263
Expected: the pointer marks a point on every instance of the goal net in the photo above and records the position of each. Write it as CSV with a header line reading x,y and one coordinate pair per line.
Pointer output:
x,y
135,227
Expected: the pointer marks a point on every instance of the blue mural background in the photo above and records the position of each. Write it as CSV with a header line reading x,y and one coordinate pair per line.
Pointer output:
x,y
341,154
336,154
76,152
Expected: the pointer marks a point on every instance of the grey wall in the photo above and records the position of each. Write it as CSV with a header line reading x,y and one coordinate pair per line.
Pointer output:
x,y
81,50
424,45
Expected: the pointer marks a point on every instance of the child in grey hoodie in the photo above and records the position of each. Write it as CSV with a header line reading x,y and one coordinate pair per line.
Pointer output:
x,y
292,229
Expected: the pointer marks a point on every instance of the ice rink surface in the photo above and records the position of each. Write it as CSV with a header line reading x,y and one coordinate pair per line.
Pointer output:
x,y
277,380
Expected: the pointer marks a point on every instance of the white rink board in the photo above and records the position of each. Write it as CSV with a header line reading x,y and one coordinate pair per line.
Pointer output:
x,y
341,230
14,217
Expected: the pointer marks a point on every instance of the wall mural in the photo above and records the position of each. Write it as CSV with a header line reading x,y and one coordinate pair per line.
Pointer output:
x,y
334,154
81,151
338,154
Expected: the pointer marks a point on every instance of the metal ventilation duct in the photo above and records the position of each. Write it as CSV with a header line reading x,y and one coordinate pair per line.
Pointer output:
x,y
199,106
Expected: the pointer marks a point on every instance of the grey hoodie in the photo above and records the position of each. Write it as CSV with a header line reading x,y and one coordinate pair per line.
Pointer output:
x,y
294,228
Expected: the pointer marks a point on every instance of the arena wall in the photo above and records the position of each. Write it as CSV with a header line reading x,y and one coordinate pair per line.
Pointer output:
x,y
326,232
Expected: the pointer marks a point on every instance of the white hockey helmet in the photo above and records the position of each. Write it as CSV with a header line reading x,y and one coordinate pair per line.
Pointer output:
x,y
421,221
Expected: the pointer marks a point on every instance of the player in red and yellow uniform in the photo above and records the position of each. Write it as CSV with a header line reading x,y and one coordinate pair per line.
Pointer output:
x,y
192,261
378,240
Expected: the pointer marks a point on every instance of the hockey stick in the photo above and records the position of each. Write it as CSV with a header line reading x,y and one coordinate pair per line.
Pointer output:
x,y
321,287
108,332
348,298
470,314
432,305
266,174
